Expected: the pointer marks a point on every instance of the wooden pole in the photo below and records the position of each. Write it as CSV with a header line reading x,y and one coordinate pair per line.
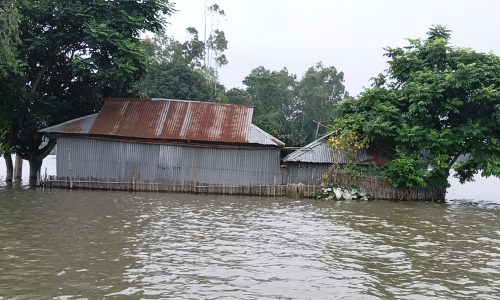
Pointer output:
x,y
70,170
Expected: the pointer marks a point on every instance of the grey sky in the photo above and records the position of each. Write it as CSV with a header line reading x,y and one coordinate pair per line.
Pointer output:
x,y
348,34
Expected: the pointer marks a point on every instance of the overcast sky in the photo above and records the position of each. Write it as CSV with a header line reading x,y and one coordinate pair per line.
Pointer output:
x,y
347,34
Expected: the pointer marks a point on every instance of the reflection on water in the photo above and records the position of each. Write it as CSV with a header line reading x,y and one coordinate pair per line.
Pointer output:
x,y
72,244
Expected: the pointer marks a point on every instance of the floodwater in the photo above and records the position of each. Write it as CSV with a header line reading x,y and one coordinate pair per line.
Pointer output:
x,y
93,244
116,245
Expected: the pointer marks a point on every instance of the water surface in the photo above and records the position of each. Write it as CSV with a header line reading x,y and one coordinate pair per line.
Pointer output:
x,y
115,245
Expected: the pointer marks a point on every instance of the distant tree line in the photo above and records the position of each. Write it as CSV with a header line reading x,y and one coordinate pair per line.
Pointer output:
x,y
294,110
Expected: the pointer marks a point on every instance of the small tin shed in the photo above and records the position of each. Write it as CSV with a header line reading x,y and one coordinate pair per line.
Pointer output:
x,y
308,164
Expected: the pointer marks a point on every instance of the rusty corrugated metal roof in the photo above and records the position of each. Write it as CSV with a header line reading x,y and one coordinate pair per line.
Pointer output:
x,y
178,120
173,120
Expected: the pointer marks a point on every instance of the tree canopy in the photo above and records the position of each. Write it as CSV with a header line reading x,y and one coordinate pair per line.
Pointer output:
x,y
176,69
187,70
294,110
10,66
73,54
437,107
317,93
272,95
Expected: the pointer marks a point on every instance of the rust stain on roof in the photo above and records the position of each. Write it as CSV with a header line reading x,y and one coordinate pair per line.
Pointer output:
x,y
174,120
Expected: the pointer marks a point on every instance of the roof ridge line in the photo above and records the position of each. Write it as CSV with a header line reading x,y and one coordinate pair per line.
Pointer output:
x,y
179,100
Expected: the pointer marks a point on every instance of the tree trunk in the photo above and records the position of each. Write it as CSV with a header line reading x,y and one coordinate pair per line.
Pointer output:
x,y
18,169
35,166
35,159
9,166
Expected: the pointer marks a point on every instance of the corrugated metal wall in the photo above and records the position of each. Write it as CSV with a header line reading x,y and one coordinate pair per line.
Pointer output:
x,y
307,173
122,161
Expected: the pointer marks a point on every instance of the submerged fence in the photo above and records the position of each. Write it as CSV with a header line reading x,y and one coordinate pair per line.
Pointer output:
x,y
379,188
291,190
376,187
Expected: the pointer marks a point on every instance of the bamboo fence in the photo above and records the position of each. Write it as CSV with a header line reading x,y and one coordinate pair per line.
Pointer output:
x,y
290,190
380,188
376,187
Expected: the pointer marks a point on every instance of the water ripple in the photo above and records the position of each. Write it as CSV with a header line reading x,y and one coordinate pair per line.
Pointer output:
x,y
70,245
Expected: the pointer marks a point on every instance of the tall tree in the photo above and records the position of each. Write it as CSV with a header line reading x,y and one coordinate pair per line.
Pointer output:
x,y
177,71
318,91
215,41
10,74
294,111
75,53
435,103
272,93
174,81
188,70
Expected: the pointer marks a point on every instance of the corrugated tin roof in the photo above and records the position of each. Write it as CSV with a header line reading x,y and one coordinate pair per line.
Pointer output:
x,y
79,126
258,136
320,152
165,119
173,120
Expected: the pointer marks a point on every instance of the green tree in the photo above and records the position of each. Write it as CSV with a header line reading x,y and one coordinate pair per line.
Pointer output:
x,y
10,74
174,81
187,70
318,91
434,104
238,96
216,42
272,93
75,53
294,111
177,71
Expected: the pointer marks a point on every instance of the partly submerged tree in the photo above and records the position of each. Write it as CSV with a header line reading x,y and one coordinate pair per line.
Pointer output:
x,y
434,104
73,54
10,77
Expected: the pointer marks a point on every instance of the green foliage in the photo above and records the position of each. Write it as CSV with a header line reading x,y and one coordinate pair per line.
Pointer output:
x,y
357,170
294,111
406,172
73,54
216,42
272,95
174,81
317,92
186,70
10,69
435,103
9,39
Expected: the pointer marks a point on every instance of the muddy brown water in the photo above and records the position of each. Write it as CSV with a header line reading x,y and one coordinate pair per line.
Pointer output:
x,y
117,245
